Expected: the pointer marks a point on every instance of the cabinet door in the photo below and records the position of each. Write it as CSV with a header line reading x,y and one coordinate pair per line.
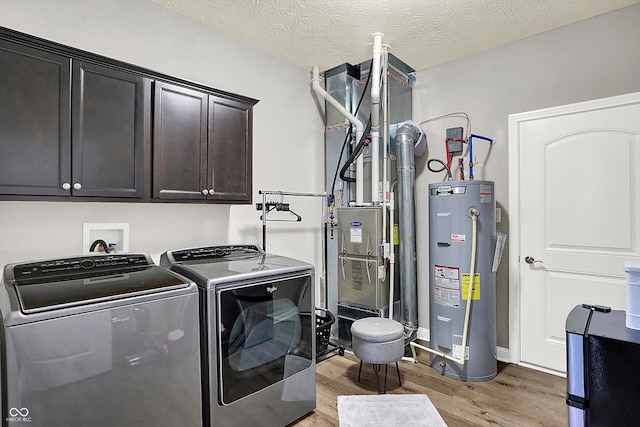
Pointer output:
x,y
108,131
35,92
179,142
230,146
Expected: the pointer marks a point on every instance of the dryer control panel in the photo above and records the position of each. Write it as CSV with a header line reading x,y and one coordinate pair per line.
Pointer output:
x,y
212,253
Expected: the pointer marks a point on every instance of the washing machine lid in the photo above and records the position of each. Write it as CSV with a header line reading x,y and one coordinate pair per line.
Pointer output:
x,y
61,283
213,265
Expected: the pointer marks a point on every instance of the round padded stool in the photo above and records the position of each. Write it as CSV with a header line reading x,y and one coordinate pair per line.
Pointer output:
x,y
379,341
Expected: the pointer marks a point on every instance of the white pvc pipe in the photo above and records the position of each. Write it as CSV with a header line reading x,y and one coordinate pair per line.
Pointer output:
x,y
315,84
375,67
385,130
359,176
375,115
465,329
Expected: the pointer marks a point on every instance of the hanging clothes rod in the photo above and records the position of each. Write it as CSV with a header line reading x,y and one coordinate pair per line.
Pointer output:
x,y
288,193
264,210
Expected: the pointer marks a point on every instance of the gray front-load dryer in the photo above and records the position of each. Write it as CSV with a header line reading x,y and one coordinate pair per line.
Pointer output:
x,y
104,340
258,320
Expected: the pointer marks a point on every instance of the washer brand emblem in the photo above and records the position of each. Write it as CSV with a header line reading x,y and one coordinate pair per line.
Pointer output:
x,y
272,289
15,412
117,320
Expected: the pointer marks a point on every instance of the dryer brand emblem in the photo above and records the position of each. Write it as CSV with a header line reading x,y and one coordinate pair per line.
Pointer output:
x,y
272,289
117,320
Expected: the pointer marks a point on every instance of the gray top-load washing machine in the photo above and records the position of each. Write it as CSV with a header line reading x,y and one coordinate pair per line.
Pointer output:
x,y
104,340
258,319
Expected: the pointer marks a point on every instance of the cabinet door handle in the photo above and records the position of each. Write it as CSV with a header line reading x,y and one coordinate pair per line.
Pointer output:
x,y
66,186
211,192
77,186
205,192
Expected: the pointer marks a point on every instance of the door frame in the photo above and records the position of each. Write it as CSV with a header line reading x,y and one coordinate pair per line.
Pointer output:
x,y
514,203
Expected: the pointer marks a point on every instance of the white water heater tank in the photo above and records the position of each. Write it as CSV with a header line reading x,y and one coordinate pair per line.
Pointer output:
x,y
450,249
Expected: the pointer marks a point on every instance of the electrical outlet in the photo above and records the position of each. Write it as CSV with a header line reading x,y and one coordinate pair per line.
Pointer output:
x,y
116,233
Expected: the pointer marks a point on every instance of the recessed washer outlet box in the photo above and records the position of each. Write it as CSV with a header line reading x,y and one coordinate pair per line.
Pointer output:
x,y
110,232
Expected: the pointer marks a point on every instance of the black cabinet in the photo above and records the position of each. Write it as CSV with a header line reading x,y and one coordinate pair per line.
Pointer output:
x,y
201,146
108,138
69,128
35,124
78,126
230,150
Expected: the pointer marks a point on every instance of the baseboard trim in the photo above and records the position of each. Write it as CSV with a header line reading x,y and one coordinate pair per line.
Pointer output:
x,y
542,369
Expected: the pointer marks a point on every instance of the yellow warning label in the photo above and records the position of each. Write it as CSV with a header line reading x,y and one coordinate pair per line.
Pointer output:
x,y
475,292
396,234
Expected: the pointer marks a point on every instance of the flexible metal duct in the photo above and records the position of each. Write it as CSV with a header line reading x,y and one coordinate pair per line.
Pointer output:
x,y
315,84
406,137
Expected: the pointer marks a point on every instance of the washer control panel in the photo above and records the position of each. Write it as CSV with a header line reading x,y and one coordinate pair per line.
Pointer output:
x,y
79,265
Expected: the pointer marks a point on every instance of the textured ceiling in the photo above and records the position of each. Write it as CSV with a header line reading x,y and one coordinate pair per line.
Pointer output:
x,y
422,33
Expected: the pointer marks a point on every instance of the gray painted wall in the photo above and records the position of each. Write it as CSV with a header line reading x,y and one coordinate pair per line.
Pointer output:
x,y
592,59
286,126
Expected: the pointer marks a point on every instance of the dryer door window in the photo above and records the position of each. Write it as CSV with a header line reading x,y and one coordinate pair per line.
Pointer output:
x,y
265,334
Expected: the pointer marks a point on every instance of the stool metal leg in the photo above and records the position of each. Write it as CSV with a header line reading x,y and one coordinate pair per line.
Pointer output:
x,y
386,368
376,369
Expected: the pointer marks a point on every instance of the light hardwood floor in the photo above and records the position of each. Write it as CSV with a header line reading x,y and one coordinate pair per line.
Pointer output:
x,y
517,396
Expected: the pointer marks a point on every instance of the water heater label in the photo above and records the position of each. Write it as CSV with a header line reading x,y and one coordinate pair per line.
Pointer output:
x,y
457,350
447,272
485,193
475,291
460,238
446,289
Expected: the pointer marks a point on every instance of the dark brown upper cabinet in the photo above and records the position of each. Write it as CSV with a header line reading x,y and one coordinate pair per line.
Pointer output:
x,y
69,128
201,146
230,150
35,124
108,138
79,126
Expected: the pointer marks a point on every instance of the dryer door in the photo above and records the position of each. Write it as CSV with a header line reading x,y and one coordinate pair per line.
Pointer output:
x,y
265,333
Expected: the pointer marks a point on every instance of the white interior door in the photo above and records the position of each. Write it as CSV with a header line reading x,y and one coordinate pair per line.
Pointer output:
x,y
577,201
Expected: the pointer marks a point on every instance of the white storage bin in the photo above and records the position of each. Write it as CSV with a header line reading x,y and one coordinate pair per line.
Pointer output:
x,y
632,280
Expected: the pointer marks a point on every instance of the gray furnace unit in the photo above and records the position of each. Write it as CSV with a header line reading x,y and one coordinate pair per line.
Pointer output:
x,y
363,281
346,83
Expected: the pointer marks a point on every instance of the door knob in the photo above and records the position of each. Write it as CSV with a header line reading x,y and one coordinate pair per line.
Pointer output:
x,y
530,260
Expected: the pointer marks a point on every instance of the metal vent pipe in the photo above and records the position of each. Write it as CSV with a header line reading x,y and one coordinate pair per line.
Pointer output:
x,y
406,137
